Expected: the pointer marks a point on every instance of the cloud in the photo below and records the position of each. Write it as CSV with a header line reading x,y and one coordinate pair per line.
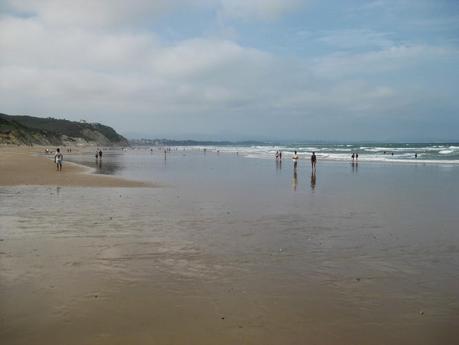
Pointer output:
x,y
356,96
205,57
392,58
98,13
99,72
79,64
29,42
259,9
355,38
123,13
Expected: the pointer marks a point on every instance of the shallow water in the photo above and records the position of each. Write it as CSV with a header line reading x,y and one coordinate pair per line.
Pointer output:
x,y
430,153
233,250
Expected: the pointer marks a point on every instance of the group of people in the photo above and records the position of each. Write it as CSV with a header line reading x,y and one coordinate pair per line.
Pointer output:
x,y
296,158
99,154
355,156
313,159
278,155
59,157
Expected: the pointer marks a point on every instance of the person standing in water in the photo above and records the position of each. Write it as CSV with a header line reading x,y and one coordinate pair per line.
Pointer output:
x,y
295,159
313,161
58,158
100,154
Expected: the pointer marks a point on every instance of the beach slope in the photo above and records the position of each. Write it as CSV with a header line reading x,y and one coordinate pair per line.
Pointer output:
x,y
20,166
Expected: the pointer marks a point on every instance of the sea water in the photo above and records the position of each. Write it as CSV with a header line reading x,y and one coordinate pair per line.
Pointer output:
x,y
388,152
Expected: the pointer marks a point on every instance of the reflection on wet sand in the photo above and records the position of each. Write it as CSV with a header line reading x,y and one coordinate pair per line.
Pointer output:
x,y
355,167
108,165
295,178
313,179
278,165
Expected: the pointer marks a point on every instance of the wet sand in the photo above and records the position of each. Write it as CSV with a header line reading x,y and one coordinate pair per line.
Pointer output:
x,y
22,166
232,253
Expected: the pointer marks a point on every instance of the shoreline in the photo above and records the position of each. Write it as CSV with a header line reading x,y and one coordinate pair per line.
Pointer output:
x,y
24,166
321,156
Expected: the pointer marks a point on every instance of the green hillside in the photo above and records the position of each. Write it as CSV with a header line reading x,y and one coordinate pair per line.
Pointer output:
x,y
31,130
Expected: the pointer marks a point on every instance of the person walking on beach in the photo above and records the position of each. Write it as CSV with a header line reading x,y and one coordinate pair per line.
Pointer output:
x,y
280,155
277,155
100,154
58,158
353,156
295,159
356,156
313,161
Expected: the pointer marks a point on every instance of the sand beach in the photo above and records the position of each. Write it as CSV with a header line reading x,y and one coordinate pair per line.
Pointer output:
x,y
255,172
24,166
234,250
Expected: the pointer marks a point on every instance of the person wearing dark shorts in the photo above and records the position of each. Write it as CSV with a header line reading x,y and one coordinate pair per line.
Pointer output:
x,y
58,158
313,161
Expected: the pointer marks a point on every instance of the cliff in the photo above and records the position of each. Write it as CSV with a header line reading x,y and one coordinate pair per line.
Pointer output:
x,y
29,130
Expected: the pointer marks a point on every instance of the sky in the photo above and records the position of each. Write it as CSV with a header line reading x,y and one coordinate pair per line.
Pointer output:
x,y
237,69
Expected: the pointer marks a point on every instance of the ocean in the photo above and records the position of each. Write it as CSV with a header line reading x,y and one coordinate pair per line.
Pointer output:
x,y
447,153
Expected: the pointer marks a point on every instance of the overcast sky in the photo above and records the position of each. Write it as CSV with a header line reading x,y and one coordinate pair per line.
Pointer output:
x,y
237,69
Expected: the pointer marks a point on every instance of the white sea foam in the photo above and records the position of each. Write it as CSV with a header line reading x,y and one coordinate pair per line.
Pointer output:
x,y
428,154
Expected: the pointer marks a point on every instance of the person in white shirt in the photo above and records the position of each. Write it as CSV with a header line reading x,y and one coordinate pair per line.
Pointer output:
x,y
58,158
313,161
295,159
